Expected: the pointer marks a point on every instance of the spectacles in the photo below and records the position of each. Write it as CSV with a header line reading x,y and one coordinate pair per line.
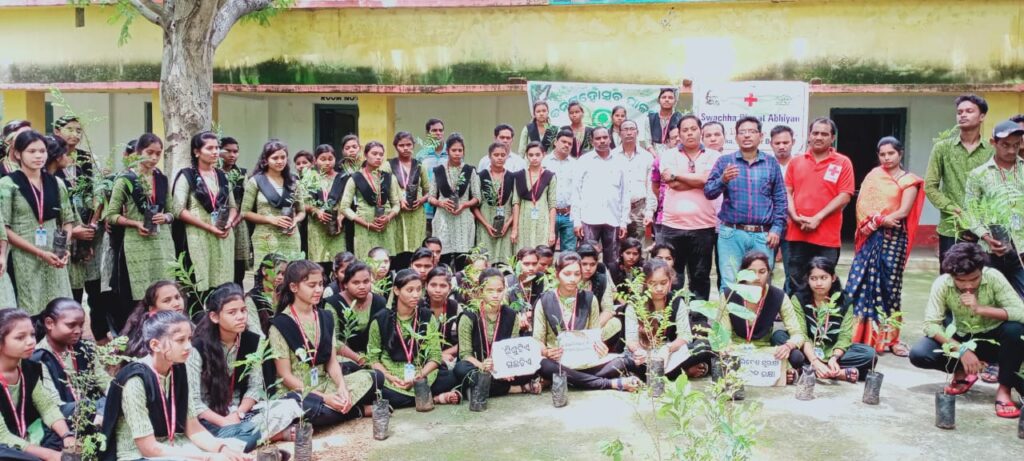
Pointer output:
x,y
748,131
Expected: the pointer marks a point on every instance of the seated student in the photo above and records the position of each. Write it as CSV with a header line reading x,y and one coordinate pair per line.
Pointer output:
x,y
262,297
403,359
478,331
380,262
983,306
639,338
422,261
353,309
61,349
26,395
569,308
164,295
771,305
519,294
463,282
228,400
446,310
300,325
341,261
545,258
629,260
148,403
596,280
663,251
435,246
838,357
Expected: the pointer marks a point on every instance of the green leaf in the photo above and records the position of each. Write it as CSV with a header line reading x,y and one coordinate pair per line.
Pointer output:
x,y
741,311
705,308
746,276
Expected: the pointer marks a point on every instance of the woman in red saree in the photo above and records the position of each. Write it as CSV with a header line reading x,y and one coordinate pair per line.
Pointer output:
x,y
888,210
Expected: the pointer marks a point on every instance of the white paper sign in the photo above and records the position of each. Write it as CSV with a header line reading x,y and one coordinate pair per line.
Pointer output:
x,y
515,357
674,359
578,348
759,368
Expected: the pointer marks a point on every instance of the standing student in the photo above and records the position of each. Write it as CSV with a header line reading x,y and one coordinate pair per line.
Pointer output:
x,y
263,296
164,295
582,135
569,308
535,186
402,358
455,189
226,398
479,330
26,395
350,160
661,122
136,426
236,178
141,255
304,161
62,351
299,325
414,189
539,129
11,159
433,154
272,204
201,194
341,261
498,207
601,207
618,117
353,308
34,206
444,307
372,201
564,167
324,206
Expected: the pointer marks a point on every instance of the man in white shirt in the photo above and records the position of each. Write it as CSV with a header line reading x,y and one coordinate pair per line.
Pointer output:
x,y
782,145
514,163
638,177
564,167
600,211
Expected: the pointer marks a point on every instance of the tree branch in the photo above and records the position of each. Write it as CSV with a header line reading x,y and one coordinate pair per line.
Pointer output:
x,y
232,11
150,10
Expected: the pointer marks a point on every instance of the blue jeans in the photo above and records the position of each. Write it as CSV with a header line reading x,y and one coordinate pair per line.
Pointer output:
x,y
565,232
733,244
245,431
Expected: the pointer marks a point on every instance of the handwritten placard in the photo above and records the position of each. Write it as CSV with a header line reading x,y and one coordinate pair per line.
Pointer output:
x,y
759,368
516,357
578,348
674,359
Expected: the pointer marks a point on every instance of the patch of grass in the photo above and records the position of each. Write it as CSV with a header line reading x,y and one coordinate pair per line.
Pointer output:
x,y
846,70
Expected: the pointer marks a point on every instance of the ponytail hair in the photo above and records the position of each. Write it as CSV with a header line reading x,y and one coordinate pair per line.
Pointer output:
x,y
133,326
155,326
53,310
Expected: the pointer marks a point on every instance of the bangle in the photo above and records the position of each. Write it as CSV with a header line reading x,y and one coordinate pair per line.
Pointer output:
x,y
68,435
222,446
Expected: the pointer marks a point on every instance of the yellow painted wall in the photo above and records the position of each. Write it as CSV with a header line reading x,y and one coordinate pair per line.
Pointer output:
x,y
641,42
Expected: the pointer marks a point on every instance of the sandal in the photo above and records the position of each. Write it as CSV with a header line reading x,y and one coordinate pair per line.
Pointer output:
x,y
699,370
1007,410
790,376
630,384
990,374
899,349
448,398
533,387
961,386
850,375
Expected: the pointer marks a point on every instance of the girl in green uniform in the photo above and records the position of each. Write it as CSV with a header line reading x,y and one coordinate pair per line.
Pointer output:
x,y
414,185
455,189
535,188
498,211
262,297
372,201
325,237
164,295
272,204
353,308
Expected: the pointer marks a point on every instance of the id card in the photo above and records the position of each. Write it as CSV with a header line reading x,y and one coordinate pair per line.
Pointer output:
x,y
410,372
534,213
213,217
314,377
499,211
40,237
820,353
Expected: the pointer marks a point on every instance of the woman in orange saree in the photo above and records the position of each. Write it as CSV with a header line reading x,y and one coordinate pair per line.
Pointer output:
x,y
888,209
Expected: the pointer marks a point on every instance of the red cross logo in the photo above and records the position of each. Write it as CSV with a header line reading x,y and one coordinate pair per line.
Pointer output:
x,y
750,100
834,170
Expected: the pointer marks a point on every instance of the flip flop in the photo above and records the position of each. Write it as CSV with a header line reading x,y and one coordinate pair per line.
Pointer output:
x,y
961,386
1007,410
990,374
850,375
899,349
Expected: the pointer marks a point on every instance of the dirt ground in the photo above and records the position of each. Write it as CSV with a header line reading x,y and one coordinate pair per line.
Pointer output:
x,y
834,426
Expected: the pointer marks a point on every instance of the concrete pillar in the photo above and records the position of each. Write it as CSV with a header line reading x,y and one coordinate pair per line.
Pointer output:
x,y
376,118
25,105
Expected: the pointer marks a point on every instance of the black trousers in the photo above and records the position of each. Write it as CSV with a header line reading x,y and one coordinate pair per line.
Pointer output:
x,y
694,250
319,414
99,308
466,373
700,352
859,356
597,377
239,278
1008,353
444,382
800,254
10,454
606,236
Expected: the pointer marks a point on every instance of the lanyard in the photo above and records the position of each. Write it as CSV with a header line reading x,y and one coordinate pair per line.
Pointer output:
x,y
398,327
234,371
571,325
535,189
406,174
39,203
172,417
330,185
757,313
74,365
306,341
501,188
373,184
488,346
19,417
213,196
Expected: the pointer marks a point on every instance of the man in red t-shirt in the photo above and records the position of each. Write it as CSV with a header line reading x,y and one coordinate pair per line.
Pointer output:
x,y
818,184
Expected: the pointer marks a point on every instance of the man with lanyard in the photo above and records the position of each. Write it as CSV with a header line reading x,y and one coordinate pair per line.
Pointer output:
x,y
660,123
952,159
753,214
638,177
819,184
689,218
514,163
600,210
432,155
997,183
564,167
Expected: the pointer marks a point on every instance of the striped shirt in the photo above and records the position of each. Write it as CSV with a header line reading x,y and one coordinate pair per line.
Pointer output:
x,y
756,197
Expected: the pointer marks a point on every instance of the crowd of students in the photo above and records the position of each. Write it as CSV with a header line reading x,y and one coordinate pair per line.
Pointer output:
x,y
352,252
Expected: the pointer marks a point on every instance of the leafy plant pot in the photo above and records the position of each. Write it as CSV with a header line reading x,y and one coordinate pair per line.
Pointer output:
x,y
655,371
268,453
805,384
147,219
455,200
381,419
872,387
1020,426
945,410
480,391
60,243
222,218
288,212
559,390
304,442
68,456
80,250
424,399
333,228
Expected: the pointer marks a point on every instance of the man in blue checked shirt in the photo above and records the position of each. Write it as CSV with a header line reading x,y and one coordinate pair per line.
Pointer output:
x,y
753,215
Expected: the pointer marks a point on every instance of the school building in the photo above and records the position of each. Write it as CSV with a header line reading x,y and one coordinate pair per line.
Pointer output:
x,y
325,68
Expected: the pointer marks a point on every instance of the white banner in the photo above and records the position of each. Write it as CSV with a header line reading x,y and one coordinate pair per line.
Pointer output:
x,y
597,99
774,103
515,357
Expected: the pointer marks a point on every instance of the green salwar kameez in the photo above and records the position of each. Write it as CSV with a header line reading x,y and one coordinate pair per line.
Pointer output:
x,y
365,239
148,257
213,258
268,238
